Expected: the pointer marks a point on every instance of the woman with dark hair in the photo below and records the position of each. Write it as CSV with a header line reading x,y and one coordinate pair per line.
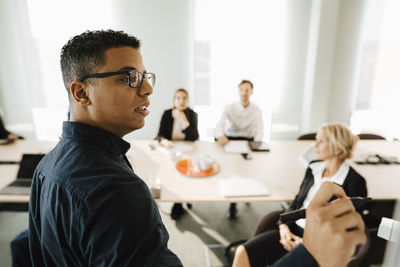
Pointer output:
x,y
178,123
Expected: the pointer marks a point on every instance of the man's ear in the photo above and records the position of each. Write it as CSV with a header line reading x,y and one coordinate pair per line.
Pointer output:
x,y
79,93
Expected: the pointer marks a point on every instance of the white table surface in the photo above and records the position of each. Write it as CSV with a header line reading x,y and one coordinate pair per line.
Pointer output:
x,y
280,170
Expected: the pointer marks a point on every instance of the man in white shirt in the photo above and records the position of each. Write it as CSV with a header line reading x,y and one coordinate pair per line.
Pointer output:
x,y
241,120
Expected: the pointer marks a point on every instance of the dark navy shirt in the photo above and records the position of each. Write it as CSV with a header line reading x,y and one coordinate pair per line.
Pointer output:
x,y
298,257
88,208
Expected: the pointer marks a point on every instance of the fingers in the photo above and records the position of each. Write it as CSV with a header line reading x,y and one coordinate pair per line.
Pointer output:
x,y
296,238
12,137
337,208
357,237
285,237
349,222
285,245
325,193
334,228
288,239
223,140
291,243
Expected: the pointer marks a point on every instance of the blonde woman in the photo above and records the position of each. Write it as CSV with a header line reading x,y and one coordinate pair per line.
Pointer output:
x,y
334,144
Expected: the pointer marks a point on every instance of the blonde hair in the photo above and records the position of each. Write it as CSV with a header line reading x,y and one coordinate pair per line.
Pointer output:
x,y
340,138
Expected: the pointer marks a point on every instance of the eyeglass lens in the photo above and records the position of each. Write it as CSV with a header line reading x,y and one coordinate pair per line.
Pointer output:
x,y
136,78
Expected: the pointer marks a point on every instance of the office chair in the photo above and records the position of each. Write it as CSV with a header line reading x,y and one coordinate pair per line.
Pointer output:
x,y
309,136
369,136
377,246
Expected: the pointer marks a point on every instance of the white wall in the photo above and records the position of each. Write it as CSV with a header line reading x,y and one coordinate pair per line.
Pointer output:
x,y
332,62
347,60
321,66
318,87
166,31
286,117
19,89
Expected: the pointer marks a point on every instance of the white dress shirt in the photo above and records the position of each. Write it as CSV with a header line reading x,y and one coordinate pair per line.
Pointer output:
x,y
237,120
317,171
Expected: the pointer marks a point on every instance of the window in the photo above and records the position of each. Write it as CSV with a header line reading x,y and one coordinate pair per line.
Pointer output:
x,y
51,30
236,40
378,93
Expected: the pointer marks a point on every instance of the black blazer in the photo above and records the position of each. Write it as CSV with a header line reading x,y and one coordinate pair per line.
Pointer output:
x,y
167,122
354,185
3,132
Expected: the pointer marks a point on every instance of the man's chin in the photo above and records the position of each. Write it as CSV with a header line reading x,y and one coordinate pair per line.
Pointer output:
x,y
137,126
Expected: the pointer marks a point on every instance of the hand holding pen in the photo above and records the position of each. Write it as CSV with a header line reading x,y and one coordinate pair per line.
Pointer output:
x,y
294,215
333,229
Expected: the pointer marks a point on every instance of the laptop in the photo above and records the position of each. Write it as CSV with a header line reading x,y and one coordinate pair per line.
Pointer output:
x,y
27,166
258,146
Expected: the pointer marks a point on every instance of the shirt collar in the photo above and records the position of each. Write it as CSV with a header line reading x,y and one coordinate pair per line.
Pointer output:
x,y
240,106
92,134
338,177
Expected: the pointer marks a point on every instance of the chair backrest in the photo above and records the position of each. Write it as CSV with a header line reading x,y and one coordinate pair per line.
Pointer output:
x,y
309,136
370,136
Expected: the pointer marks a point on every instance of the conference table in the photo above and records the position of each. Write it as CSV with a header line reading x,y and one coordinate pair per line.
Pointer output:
x,y
280,169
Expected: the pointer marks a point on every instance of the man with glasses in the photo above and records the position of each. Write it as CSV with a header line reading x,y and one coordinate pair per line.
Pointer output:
x,y
87,205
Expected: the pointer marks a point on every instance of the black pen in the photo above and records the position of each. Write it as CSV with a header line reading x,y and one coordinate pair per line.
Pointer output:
x,y
294,215
9,162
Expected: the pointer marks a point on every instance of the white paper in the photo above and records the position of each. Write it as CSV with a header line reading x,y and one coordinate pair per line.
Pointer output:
x,y
184,147
236,147
242,187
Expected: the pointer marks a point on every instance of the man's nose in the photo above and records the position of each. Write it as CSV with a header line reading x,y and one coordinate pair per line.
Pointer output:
x,y
146,88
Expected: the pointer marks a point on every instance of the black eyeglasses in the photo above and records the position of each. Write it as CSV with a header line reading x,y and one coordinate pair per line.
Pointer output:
x,y
135,78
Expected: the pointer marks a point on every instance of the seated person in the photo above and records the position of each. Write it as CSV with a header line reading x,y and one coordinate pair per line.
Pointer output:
x,y
240,120
338,227
334,144
178,123
4,134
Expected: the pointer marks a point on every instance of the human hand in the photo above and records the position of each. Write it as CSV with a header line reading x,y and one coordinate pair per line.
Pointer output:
x,y
223,140
288,240
12,137
333,230
166,143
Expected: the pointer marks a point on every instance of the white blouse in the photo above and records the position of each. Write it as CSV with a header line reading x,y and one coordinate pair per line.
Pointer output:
x,y
317,171
177,129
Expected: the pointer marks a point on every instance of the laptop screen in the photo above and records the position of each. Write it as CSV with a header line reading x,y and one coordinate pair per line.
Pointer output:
x,y
28,165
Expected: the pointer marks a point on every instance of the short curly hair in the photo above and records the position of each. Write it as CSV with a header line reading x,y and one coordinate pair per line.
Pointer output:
x,y
340,137
84,53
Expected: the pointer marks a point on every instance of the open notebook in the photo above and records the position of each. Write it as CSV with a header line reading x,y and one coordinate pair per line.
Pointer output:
x,y
242,187
27,166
